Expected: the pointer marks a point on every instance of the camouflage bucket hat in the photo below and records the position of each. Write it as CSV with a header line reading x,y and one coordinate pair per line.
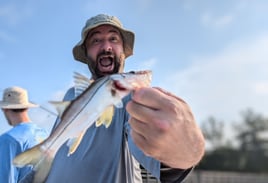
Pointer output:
x,y
15,98
79,51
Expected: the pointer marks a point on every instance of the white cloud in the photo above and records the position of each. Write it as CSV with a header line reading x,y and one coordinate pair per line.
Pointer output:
x,y
223,21
208,19
148,64
133,65
225,83
261,88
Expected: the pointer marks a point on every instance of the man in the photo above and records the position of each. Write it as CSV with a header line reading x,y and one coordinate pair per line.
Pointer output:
x,y
154,129
22,136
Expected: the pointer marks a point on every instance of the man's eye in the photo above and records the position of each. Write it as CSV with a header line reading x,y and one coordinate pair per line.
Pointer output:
x,y
114,39
94,41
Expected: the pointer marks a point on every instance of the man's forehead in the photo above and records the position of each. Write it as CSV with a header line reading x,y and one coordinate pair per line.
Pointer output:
x,y
103,29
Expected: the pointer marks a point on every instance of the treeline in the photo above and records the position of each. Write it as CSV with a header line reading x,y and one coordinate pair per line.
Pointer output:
x,y
247,151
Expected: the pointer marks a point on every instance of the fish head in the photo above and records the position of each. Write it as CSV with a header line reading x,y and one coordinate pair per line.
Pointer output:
x,y
123,83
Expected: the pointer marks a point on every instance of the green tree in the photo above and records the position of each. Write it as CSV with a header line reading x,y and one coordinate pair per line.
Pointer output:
x,y
253,145
213,131
251,154
221,155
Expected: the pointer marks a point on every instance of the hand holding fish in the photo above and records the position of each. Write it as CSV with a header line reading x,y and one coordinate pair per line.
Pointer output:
x,y
163,127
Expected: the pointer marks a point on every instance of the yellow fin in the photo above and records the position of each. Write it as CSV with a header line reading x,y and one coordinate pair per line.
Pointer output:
x,y
106,117
75,143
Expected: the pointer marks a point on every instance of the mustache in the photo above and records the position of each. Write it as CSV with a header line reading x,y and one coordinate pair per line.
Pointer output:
x,y
105,53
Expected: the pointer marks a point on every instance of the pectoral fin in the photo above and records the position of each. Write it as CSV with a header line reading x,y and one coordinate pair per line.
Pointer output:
x,y
106,117
60,106
119,104
74,143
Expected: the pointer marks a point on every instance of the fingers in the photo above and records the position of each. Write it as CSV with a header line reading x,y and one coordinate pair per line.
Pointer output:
x,y
152,105
169,94
154,98
139,111
143,136
150,97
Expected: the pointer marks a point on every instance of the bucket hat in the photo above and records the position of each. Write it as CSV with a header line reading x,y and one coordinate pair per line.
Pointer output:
x,y
79,51
15,98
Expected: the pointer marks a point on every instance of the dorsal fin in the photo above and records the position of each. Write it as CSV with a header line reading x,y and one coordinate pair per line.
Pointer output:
x,y
81,83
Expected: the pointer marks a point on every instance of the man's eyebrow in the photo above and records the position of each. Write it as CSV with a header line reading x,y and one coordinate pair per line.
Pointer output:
x,y
98,32
92,33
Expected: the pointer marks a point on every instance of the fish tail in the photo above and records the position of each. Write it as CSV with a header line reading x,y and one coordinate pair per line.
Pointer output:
x,y
40,160
42,171
28,157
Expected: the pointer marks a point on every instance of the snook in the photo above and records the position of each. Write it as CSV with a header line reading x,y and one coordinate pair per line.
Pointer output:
x,y
94,104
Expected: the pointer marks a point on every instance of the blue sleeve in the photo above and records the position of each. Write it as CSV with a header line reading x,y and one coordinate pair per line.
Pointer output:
x,y
9,149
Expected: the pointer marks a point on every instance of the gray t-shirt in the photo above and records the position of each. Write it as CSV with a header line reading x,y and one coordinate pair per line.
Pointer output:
x,y
104,155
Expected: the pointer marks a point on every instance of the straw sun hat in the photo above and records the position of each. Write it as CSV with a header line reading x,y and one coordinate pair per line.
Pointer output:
x,y
15,98
79,51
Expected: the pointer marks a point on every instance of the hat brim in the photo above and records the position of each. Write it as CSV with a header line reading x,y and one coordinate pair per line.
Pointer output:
x,y
5,105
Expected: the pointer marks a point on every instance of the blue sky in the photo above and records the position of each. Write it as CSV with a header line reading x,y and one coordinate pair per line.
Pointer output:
x,y
214,54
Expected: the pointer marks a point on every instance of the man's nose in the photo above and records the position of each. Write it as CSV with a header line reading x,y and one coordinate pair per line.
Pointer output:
x,y
107,46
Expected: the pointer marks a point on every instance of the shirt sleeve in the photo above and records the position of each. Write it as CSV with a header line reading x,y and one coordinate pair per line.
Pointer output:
x,y
9,149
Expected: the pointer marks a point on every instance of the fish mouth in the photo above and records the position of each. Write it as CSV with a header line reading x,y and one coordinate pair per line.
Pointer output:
x,y
131,80
106,63
119,86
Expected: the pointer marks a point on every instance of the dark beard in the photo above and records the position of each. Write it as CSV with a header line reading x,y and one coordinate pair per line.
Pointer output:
x,y
93,65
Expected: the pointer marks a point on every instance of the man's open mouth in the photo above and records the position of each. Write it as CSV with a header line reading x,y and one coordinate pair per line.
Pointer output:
x,y
106,64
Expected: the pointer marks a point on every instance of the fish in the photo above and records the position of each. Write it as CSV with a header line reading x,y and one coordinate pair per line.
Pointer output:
x,y
95,104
